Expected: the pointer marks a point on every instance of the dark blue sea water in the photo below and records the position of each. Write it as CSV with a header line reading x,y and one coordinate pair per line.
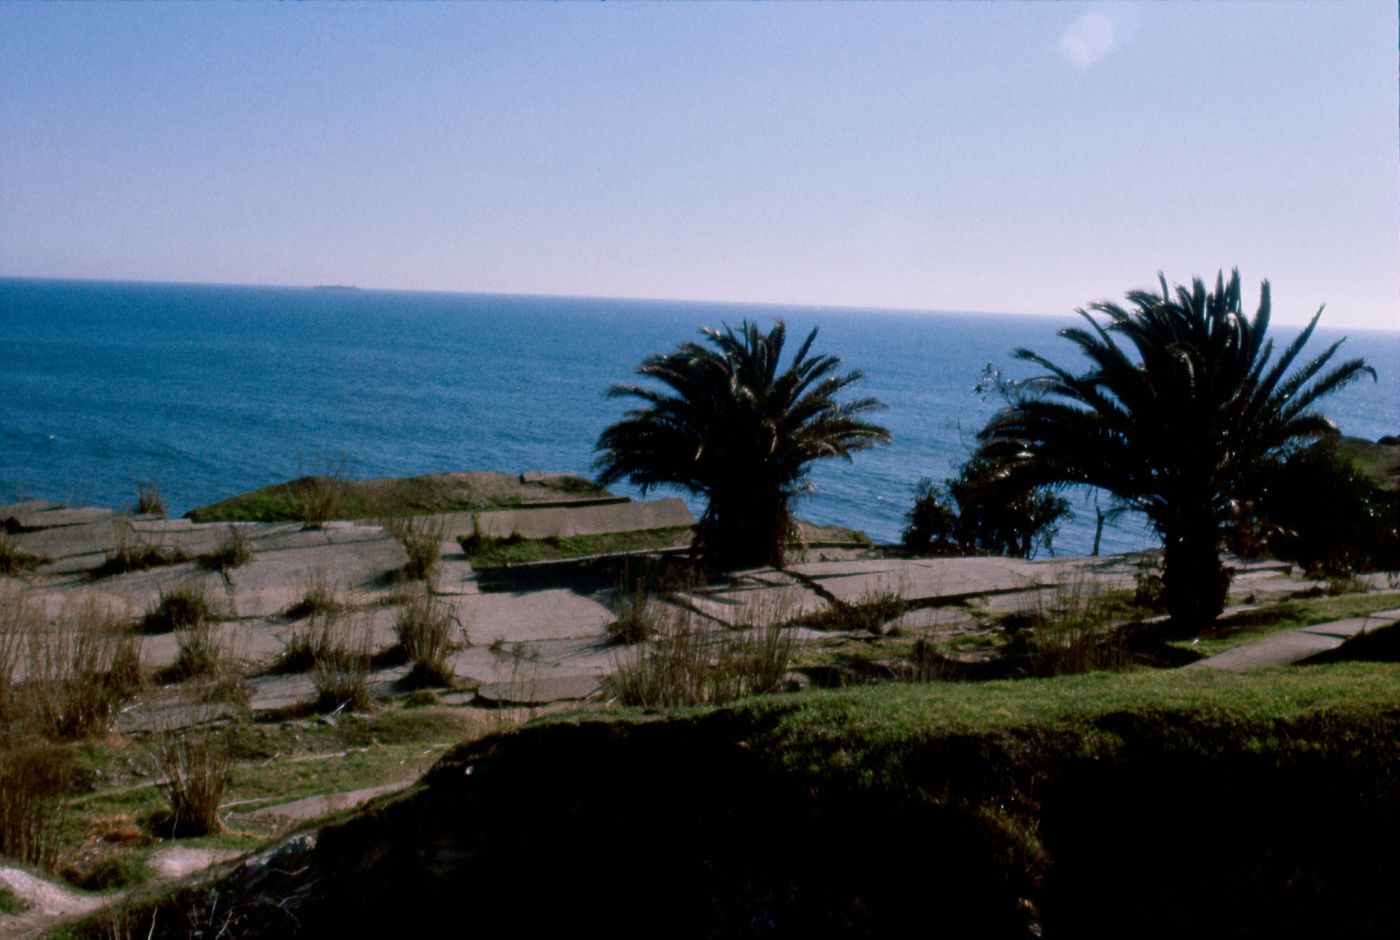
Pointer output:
x,y
213,390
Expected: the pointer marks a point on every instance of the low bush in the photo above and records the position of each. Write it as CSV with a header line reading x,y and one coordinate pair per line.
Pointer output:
x,y
149,501
687,663
424,629
316,500
340,671
14,560
200,653
1079,630
194,766
185,607
319,598
421,537
134,553
79,671
871,613
233,552
635,618
35,776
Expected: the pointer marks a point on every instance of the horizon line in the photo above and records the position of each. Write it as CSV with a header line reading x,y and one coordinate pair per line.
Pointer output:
x,y
933,311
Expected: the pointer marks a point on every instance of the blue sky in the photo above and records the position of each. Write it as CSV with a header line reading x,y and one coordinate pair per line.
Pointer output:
x,y
987,156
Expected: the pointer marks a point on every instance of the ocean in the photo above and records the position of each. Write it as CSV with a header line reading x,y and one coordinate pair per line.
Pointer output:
x,y
213,390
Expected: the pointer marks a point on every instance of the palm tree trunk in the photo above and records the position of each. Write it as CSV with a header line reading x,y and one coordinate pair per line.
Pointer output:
x,y
746,529
1193,579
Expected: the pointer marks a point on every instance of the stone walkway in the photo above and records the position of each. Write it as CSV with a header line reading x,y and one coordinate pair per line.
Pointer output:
x,y
1292,646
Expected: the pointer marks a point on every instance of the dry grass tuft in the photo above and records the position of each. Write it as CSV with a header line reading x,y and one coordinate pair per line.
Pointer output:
x,y
149,501
184,608
340,671
316,500
133,553
194,766
79,671
1075,631
319,598
690,663
35,776
234,551
421,537
424,629
14,560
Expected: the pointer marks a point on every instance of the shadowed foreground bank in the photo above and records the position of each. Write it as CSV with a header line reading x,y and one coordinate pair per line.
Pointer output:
x,y
1160,803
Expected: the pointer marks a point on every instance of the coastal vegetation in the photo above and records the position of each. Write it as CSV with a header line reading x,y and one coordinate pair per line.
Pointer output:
x,y
733,429
1173,423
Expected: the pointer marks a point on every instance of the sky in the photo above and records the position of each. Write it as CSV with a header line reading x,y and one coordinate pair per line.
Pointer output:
x,y
1021,158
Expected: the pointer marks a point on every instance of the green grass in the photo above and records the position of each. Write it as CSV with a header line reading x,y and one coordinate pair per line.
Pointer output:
x,y
11,903
1289,615
282,503
490,552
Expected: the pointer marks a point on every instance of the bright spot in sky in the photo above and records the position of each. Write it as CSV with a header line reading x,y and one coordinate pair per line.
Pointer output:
x,y
1087,40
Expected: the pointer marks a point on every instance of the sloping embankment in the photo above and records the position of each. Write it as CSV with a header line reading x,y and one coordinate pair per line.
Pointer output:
x,y
1142,803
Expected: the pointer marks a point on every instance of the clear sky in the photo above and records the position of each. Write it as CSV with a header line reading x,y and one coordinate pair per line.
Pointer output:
x,y
986,156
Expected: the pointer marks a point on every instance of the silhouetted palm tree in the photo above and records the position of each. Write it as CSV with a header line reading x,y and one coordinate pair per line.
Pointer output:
x,y
1172,425
730,427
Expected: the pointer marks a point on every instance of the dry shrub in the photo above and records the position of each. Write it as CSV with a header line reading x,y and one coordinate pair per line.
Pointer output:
x,y
134,553
185,607
319,598
1075,631
424,629
234,551
636,618
200,653
194,767
691,663
340,671
14,560
19,616
421,537
149,501
35,776
80,670
316,499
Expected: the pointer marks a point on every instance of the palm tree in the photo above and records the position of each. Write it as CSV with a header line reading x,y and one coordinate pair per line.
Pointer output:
x,y
730,427
1174,424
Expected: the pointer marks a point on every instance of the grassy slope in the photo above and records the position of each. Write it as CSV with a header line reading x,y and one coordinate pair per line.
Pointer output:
x,y
1165,800
365,499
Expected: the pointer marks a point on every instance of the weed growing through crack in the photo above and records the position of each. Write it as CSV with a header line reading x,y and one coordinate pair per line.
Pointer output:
x,y
80,670
316,500
14,560
340,671
233,552
689,662
35,777
1075,630
424,630
421,537
149,501
319,598
134,553
193,766
183,608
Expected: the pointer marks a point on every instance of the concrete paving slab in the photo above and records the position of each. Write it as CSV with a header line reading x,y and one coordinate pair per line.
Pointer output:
x,y
1277,650
1345,628
525,662
313,807
93,537
755,604
60,518
27,507
539,690
274,580
543,522
540,615
1392,614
